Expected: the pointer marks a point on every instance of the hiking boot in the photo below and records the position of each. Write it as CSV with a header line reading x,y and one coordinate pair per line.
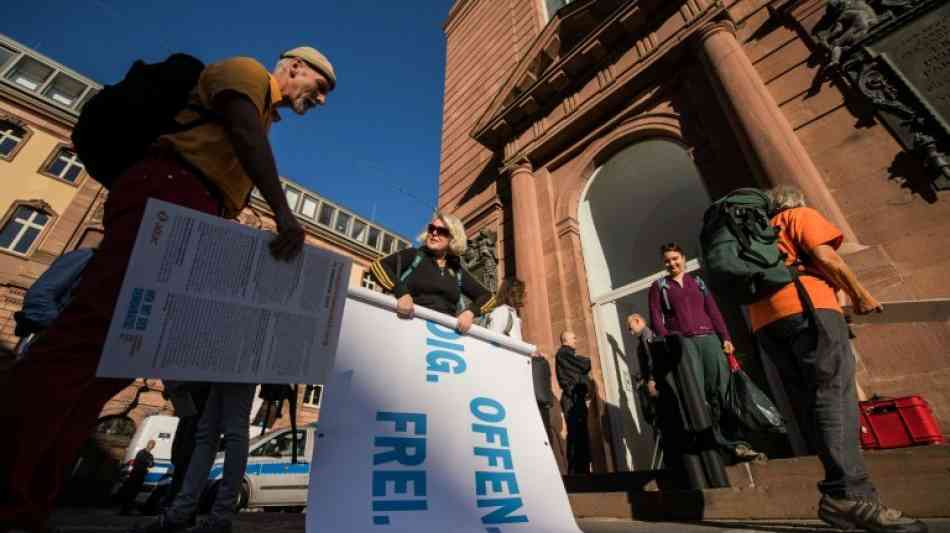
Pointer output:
x,y
866,515
161,525
212,525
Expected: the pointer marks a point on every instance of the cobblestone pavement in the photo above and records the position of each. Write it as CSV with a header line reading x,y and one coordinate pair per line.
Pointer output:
x,y
107,521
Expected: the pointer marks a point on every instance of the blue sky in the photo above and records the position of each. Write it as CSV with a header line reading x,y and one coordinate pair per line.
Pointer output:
x,y
373,148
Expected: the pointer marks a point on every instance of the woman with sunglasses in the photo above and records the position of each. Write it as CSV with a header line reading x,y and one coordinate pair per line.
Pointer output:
x,y
432,275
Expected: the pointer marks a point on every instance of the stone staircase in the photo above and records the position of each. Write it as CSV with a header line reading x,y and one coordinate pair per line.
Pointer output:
x,y
914,480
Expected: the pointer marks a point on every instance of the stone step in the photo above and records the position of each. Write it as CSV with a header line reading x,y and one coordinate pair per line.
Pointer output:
x,y
914,480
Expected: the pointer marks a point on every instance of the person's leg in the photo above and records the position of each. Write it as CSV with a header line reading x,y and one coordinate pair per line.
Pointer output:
x,y
716,377
238,398
183,446
64,359
836,412
207,438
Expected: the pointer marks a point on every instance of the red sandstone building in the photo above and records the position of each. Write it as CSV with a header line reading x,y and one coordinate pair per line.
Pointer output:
x,y
587,133
49,206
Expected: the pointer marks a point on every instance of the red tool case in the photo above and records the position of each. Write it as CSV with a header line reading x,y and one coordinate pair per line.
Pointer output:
x,y
898,423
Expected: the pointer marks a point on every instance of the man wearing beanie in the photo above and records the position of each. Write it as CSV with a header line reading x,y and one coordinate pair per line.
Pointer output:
x,y
249,97
212,167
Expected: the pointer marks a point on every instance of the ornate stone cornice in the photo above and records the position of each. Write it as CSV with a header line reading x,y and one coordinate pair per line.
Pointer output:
x,y
608,62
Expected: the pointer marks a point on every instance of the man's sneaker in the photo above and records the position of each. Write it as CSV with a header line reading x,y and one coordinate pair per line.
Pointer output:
x,y
866,515
161,525
212,525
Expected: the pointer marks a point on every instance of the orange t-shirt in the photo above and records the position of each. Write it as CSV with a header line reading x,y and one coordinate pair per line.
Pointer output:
x,y
801,230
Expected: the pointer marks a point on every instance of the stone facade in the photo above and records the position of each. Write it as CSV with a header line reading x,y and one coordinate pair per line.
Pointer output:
x,y
537,104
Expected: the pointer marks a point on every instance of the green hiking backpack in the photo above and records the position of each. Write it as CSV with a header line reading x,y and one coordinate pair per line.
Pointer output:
x,y
740,253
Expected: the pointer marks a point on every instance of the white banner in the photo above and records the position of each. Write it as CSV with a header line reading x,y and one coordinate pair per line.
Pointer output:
x,y
204,300
424,430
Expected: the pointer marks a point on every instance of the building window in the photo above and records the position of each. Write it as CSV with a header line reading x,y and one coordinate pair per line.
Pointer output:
x,y
293,196
92,92
312,395
554,5
5,56
373,238
342,221
30,73
309,207
369,282
402,245
64,165
12,137
359,230
22,229
64,90
388,242
326,214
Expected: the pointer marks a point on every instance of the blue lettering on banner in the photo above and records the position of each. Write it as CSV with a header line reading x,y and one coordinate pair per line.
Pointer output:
x,y
446,357
399,451
502,480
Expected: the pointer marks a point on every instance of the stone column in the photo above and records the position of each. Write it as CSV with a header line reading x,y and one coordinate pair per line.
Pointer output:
x,y
529,256
770,144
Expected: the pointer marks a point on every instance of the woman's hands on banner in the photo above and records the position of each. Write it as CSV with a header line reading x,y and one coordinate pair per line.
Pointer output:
x,y
465,320
404,306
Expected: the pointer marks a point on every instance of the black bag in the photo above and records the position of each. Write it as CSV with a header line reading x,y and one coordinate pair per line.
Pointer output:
x,y
276,394
118,124
749,406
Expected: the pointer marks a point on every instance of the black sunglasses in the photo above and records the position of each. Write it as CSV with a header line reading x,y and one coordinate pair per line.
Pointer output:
x,y
439,231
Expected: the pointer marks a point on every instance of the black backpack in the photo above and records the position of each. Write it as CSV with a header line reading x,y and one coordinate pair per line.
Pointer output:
x,y
117,125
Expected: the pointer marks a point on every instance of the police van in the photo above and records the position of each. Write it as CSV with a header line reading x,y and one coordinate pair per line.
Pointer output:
x,y
271,479
161,429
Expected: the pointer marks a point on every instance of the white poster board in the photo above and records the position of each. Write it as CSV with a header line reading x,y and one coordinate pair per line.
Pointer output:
x,y
204,300
424,430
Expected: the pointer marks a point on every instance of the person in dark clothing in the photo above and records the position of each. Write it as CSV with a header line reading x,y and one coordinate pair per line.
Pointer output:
x,y
133,484
432,275
541,375
572,376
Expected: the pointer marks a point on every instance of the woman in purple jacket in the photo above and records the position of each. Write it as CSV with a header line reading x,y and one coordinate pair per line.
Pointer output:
x,y
680,303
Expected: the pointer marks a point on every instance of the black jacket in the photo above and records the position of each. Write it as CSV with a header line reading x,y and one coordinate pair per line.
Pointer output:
x,y
572,370
541,375
429,285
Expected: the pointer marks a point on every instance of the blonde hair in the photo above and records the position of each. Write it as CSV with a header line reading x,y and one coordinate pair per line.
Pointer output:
x,y
786,197
459,242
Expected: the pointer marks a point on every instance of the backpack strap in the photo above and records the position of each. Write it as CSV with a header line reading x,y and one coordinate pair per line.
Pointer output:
x,y
701,283
415,264
460,305
664,293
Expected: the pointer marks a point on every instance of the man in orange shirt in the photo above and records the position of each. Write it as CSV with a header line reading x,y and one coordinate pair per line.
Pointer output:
x,y
212,168
813,353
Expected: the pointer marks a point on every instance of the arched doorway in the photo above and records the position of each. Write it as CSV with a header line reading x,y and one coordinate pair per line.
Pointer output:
x,y
648,194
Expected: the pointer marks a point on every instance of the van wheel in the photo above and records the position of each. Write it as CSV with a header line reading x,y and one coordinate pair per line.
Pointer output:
x,y
207,501
244,496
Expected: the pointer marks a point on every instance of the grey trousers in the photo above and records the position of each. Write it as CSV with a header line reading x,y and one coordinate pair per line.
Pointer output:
x,y
817,367
226,413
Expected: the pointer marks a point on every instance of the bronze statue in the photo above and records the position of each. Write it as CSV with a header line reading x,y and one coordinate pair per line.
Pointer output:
x,y
851,22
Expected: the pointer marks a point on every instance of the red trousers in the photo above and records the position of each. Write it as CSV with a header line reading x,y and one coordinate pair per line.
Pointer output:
x,y
54,399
